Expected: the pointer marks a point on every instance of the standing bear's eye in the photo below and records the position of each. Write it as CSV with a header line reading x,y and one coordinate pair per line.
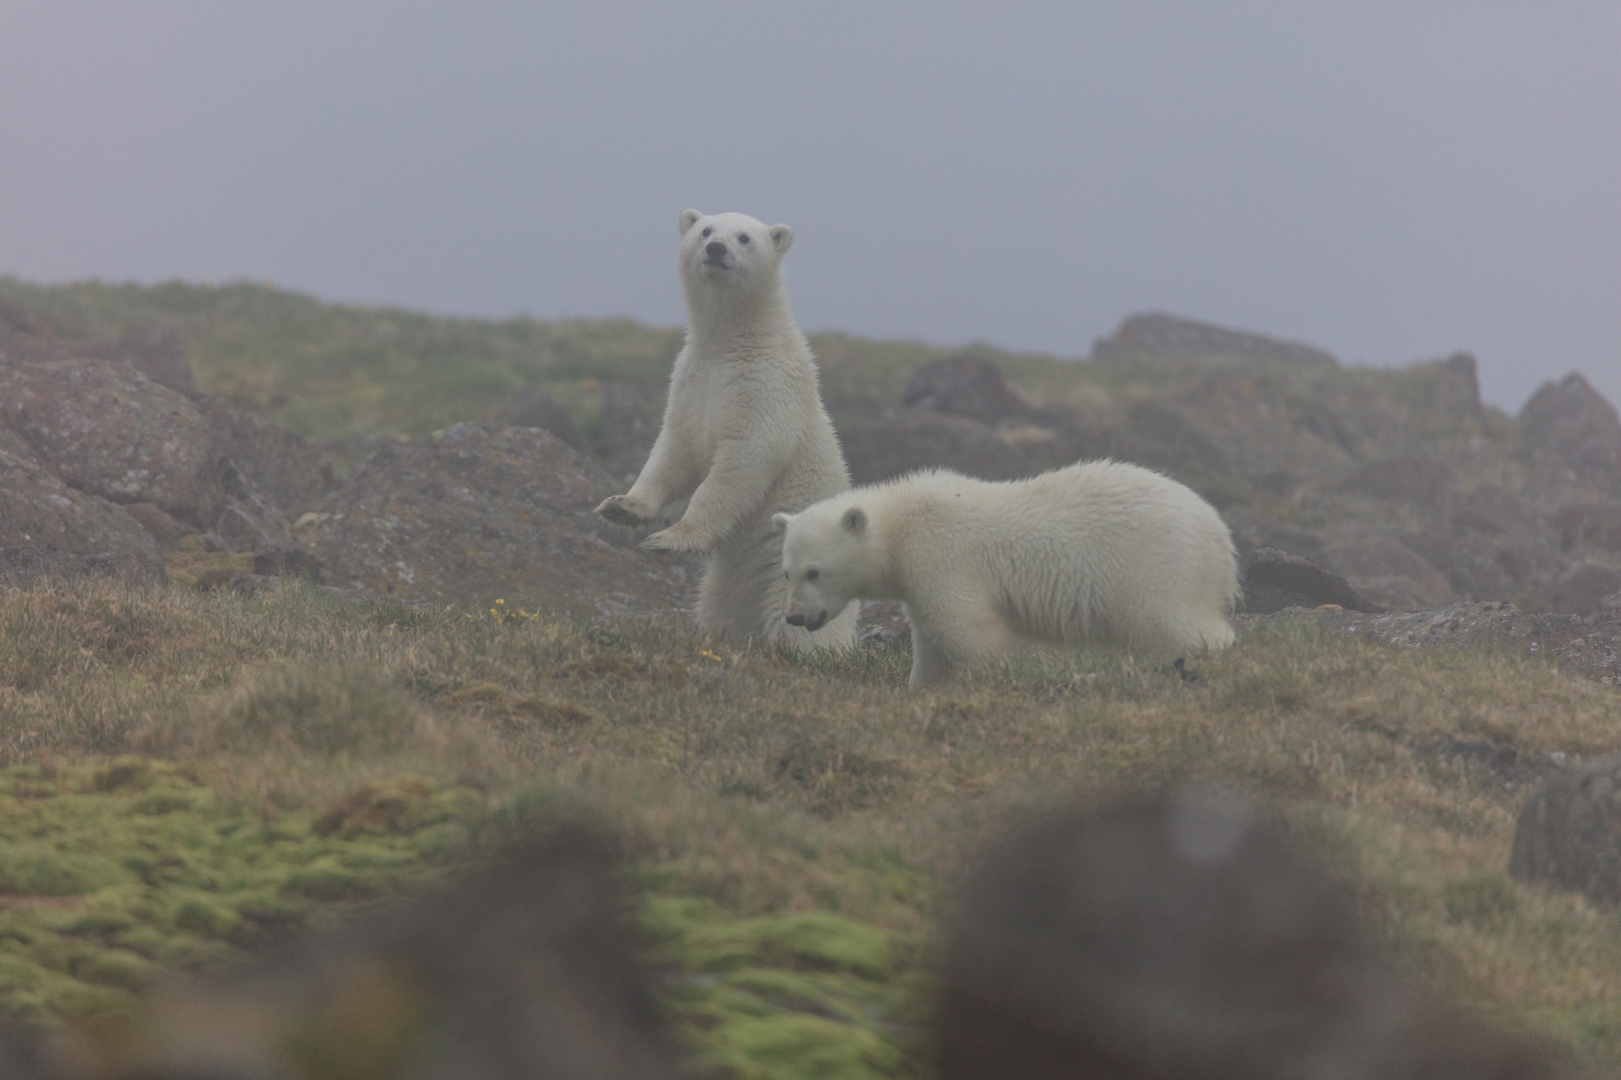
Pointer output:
x,y
742,238
707,231
812,575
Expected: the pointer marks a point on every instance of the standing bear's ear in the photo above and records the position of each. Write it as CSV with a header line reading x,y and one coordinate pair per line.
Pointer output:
x,y
779,522
783,237
854,521
689,218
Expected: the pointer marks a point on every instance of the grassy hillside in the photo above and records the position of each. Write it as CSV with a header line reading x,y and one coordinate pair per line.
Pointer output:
x,y
182,771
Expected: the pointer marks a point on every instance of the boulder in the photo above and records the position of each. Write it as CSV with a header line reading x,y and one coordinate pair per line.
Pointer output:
x,y
1568,835
1488,508
105,429
1183,935
1167,436
1592,524
1411,480
49,530
283,469
891,448
1385,570
1583,588
964,386
1275,579
538,409
479,513
528,968
1158,335
1573,420
628,430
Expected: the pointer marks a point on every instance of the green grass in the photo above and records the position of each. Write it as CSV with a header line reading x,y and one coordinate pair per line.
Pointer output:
x,y
792,825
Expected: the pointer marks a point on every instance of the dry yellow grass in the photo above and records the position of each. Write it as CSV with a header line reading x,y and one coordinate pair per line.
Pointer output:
x,y
767,783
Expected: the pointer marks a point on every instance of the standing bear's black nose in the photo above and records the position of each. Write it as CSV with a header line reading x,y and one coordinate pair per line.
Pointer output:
x,y
714,249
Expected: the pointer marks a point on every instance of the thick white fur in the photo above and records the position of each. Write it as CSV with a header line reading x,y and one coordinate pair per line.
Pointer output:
x,y
745,435
1101,551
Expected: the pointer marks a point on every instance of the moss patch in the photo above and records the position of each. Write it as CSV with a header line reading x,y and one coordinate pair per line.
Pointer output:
x,y
110,876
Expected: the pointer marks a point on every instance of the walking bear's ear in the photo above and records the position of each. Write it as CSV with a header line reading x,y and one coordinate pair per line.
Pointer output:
x,y
854,521
779,522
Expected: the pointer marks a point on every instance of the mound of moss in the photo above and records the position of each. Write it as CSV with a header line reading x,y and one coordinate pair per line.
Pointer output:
x,y
113,876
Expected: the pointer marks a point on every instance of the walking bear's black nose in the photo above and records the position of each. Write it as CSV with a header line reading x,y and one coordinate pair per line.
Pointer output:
x,y
796,620
714,249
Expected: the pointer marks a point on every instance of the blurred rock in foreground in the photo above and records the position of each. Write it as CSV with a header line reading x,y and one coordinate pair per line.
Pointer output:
x,y
1184,935
528,968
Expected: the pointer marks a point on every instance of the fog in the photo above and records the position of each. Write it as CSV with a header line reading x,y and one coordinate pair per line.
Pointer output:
x,y
1389,181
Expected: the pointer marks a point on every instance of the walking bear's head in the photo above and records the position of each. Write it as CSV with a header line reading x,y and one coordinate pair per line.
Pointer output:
x,y
829,557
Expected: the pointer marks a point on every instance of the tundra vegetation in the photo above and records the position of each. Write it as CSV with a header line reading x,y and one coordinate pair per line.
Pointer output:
x,y
186,777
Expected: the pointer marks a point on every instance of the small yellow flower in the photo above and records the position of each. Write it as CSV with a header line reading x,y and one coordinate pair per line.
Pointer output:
x,y
707,655
500,601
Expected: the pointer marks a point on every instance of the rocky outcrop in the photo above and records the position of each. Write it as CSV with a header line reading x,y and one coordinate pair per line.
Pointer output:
x,y
538,409
1183,935
105,429
1157,334
1589,647
51,531
1571,419
628,429
284,469
1568,835
1384,569
479,513
964,386
1274,579
908,442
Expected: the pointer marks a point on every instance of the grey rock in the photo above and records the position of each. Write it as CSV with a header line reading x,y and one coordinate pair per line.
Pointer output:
x,y
285,470
1582,589
51,531
538,409
628,429
477,513
882,451
1275,579
1184,935
106,429
1386,571
1574,421
964,386
1156,334
529,968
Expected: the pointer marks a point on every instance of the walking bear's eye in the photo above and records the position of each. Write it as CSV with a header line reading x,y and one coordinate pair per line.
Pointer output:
x,y
708,231
812,575
742,238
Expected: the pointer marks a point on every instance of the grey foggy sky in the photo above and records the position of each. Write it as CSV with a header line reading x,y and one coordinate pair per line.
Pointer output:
x,y
1391,181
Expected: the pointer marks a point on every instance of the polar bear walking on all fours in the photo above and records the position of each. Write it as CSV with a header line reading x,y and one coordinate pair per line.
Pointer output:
x,y
1096,552
745,434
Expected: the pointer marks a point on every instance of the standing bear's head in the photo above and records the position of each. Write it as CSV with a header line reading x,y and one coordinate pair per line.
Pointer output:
x,y
730,256
829,557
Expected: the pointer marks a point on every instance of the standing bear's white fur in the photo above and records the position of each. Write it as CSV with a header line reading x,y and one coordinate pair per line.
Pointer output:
x,y
745,435
1100,552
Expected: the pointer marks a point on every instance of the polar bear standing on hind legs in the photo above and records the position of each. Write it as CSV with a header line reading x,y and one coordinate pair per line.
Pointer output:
x,y
745,435
1101,551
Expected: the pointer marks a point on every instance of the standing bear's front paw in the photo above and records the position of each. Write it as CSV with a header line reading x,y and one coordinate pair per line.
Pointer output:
x,y
674,540
624,510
